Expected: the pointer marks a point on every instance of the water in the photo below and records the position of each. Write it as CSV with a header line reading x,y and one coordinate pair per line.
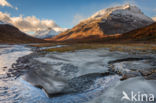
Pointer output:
x,y
106,89
17,90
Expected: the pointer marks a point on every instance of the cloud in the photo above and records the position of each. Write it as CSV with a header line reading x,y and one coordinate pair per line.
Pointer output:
x,y
29,23
78,18
154,18
5,3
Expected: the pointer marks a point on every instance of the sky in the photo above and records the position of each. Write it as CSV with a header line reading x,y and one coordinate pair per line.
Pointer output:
x,y
65,13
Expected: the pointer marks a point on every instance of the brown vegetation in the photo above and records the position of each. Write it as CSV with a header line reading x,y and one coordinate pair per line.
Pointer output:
x,y
10,34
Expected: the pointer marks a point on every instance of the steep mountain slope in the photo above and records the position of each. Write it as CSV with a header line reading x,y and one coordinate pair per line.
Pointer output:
x,y
115,20
10,34
147,33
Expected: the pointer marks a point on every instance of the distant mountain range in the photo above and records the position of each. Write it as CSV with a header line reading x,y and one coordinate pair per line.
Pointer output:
x,y
11,34
108,22
48,33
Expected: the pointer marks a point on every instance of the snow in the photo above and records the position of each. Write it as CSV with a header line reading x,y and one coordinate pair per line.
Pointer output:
x,y
48,33
45,33
126,9
2,22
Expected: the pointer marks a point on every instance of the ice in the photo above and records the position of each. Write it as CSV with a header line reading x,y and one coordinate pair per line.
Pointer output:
x,y
87,61
114,94
9,54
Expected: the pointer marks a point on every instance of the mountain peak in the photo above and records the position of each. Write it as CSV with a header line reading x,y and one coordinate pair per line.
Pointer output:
x,y
107,22
126,9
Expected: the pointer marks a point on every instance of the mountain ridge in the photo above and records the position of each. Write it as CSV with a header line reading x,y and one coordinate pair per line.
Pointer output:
x,y
117,20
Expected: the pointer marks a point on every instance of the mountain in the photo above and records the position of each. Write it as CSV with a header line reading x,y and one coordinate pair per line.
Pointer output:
x,y
47,33
111,21
10,34
147,33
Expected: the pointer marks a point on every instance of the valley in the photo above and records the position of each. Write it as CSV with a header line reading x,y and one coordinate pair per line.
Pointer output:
x,y
105,58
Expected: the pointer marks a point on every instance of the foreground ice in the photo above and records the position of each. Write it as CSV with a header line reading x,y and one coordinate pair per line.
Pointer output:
x,y
9,54
136,85
69,75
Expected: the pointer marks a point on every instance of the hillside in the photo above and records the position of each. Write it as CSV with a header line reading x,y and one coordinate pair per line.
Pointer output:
x,y
10,34
147,33
111,21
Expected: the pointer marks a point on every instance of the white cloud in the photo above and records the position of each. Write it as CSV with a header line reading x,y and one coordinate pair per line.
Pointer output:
x,y
29,23
154,18
5,3
78,18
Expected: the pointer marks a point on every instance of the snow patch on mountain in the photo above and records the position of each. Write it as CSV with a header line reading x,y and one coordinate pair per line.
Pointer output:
x,y
124,10
47,33
2,23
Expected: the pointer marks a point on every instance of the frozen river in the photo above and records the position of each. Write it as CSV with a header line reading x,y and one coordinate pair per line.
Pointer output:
x,y
91,76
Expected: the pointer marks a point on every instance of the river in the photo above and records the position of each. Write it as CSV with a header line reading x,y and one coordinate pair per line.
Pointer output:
x,y
81,69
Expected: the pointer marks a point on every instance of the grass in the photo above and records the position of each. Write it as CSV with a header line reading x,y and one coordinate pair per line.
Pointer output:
x,y
129,47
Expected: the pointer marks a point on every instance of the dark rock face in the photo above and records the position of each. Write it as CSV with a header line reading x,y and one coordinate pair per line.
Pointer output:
x,y
120,24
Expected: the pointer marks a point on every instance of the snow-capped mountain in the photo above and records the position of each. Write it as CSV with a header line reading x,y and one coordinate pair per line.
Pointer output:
x,y
124,10
114,20
47,33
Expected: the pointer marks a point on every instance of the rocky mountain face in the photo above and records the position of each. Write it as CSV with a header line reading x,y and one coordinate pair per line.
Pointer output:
x,y
111,21
10,34
147,33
